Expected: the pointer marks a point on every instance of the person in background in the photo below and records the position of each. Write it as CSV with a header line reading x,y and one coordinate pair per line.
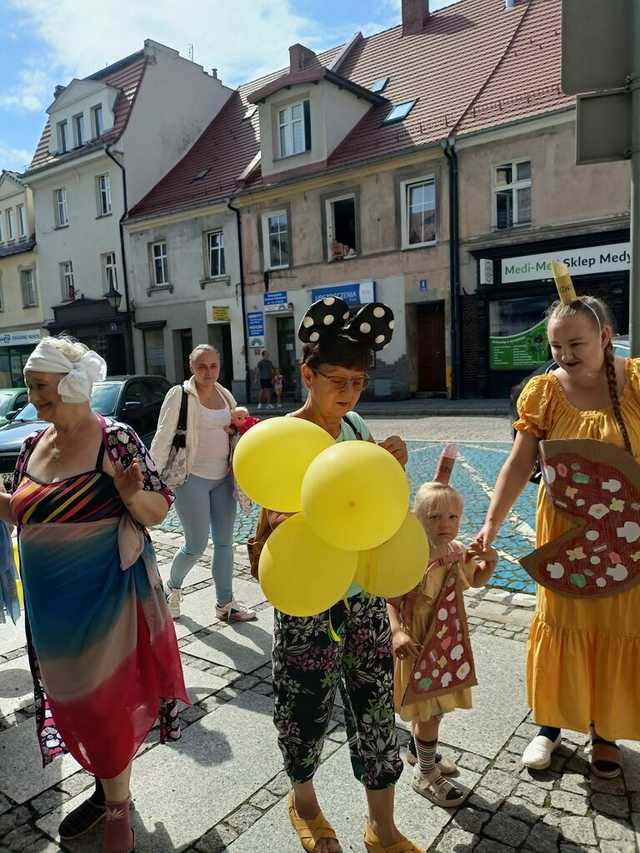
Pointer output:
x,y
265,370
278,383
205,502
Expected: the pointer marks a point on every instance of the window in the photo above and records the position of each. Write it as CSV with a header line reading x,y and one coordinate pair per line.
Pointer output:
x,y
399,112
67,281
1,295
275,234
21,223
160,266
215,246
28,286
294,129
418,212
250,111
60,205
9,218
341,228
78,130
62,136
103,189
96,120
109,272
154,352
1,234
512,194
379,85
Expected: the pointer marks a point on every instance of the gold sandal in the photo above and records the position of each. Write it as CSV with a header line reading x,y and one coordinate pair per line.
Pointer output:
x,y
373,844
310,832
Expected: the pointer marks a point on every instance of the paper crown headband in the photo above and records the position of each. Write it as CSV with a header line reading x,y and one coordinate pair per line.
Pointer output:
x,y
445,464
564,285
372,326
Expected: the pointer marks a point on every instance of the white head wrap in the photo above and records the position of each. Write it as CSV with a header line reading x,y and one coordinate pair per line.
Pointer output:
x,y
75,386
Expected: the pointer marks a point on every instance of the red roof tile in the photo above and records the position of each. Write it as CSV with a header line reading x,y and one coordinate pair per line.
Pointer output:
x,y
125,75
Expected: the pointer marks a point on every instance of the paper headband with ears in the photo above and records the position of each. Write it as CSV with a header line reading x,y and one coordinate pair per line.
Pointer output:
x,y
445,464
372,326
564,284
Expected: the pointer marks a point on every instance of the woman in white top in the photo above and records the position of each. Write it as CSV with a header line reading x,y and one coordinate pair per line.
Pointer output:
x,y
205,501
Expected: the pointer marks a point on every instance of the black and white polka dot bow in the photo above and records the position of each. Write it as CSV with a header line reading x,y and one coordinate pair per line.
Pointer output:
x,y
371,326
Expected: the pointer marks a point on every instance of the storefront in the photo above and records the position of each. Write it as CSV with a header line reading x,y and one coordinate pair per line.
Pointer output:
x,y
15,349
515,289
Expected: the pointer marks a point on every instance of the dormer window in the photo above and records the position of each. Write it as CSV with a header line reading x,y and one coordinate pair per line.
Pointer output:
x,y
96,120
294,127
62,136
400,112
78,130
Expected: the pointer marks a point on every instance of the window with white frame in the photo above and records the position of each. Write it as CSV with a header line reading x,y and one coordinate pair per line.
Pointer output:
x,y
159,263
275,236
1,229
512,194
215,253
109,271
10,225
294,128
103,191
67,281
342,235
418,212
1,294
60,208
62,136
28,286
22,229
78,130
97,125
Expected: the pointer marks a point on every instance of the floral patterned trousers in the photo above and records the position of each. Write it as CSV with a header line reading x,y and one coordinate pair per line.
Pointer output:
x,y
308,666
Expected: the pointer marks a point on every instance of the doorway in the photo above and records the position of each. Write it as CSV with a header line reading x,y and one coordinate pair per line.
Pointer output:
x,y
220,338
185,342
287,357
432,360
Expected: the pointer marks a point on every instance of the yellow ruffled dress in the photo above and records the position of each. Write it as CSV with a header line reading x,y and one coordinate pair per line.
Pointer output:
x,y
583,660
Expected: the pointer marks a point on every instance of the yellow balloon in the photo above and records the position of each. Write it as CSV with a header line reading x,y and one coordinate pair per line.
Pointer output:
x,y
396,566
272,457
355,495
300,574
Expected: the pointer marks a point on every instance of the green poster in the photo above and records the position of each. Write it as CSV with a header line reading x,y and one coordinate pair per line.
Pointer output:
x,y
527,350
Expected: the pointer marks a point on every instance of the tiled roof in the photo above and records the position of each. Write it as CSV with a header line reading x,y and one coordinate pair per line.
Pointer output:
x,y
125,75
475,64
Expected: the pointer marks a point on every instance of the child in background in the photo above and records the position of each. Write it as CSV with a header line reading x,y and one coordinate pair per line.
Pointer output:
x,y
278,382
451,568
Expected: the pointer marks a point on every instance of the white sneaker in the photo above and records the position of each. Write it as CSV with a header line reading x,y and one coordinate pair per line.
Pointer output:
x,y
538,753
174,597
235,612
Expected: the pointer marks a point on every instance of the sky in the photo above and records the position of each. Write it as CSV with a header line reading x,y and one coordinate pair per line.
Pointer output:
x,y
48,42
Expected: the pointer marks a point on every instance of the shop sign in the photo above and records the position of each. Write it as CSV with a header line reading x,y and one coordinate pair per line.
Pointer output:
x,y
276,301
220,314
17,339
524,351
354,293
589,261
424,285
255,329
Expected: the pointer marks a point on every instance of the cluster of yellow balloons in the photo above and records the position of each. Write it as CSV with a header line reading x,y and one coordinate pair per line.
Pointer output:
x,y
348,503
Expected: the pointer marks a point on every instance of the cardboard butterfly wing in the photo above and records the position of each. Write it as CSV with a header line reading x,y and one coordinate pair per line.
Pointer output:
x,y
598,486
446,661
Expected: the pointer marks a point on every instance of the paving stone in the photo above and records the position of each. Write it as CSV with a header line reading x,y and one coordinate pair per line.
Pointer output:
x,y
608,786
17,817
540,778
613,830
617,847
77,783
456,841
280,785
578,830
217,839
486,799
19,839
489,610
506,829
576,783
530,792
500,782
470,819
198,608
12,637
517,745
543,839
243,818
5,805
48,801
263,800
244,647
43,846
491,846
16,685
565,801
509,763
522,600
473,762
523,810
610,805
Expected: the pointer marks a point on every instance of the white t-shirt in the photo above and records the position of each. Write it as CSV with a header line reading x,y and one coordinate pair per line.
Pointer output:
x,y
211,459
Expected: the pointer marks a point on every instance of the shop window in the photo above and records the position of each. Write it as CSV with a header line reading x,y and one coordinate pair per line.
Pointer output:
x,y
28,287
512,194
342,238
418,212
518,337
215,253
154,352
275,235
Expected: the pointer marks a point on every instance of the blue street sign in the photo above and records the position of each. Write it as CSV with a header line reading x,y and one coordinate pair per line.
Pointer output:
x,y
255,324
276,300
355,293
424,284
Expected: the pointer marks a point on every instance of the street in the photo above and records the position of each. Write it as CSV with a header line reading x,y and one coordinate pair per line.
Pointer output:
x,y
221,786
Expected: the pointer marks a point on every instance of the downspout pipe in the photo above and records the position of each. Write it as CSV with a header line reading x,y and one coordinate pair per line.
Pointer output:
x,y
125,278
245,333
449,148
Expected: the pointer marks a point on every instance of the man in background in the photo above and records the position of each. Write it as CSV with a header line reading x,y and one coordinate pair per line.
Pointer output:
x,y
265,375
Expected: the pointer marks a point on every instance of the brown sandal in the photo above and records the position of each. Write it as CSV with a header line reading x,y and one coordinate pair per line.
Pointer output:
x,y
310,832
605,758
373,844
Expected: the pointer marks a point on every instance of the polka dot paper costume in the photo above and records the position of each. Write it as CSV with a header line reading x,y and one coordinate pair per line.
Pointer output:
x,y
372,325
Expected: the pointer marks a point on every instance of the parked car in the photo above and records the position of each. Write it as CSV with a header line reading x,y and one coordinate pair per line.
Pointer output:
x,y
135,400
12,400
621,347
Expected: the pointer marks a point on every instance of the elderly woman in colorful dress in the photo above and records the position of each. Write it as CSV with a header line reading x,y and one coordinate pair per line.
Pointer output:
x,y
102,646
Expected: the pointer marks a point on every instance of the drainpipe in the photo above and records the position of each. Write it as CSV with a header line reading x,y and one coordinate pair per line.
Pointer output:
x,y
449,148
131,367
245,334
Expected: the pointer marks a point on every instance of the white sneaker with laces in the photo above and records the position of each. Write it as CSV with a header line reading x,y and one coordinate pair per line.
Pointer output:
x,y
174,597
537,755
235,612
259,405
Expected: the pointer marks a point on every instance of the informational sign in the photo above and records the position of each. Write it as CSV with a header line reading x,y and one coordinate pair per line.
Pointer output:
x,y
424,285
353,293
486,271
255,329
18,339
589,261
220,314
524,351
276,301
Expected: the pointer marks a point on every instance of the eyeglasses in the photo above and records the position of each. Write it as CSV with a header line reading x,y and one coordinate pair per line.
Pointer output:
x,y
358,384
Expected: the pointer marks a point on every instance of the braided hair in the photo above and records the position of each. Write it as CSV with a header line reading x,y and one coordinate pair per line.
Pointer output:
x,y
600,316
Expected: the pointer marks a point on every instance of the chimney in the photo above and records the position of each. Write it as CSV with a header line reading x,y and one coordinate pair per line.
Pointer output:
x,y
300,57
414,16
58,91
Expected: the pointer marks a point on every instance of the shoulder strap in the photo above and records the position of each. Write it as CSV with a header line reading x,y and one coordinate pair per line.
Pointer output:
x,y
351,424
182,416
